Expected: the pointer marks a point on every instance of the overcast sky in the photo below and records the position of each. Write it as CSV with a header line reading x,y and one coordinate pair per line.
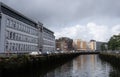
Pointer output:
x,y
77,19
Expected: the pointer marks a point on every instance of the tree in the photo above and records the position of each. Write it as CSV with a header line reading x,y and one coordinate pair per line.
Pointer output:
x,y
114,42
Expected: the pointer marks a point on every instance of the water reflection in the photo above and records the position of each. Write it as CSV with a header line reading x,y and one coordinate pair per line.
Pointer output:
x,y
84,66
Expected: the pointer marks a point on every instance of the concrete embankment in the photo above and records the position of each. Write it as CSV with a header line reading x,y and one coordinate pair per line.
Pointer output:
x,y
112,58
23,63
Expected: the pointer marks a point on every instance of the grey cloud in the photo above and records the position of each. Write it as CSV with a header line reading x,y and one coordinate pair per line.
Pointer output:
x,y
60,13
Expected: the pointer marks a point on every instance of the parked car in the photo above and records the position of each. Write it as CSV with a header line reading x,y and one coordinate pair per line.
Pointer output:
x,y
62,51
35,53
117,52
56,52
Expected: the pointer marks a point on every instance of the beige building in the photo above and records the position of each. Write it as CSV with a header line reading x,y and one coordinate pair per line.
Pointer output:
x,y
92,45
79,44
84,45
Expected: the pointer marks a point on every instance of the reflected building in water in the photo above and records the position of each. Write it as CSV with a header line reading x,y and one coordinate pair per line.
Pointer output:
x,y
63,71
84,66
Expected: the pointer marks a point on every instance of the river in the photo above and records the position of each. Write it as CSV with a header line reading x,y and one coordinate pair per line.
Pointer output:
x,y
81,66
84,66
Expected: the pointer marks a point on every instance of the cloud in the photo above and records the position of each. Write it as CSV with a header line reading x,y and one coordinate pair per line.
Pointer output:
x,y
61,16
89,31
115,29
67,12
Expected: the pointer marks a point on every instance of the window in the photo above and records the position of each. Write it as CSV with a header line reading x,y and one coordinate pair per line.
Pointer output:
x,y
16,46
10,35
24,47
7,22
7,44
28,29
31,31
10,46
7,34
17,26
20,37
20,27
23,37
16,36
10,23
25,28
14,24
13,35
13,46
19,47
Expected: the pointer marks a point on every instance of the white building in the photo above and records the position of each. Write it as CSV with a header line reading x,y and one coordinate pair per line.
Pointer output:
x,y
48,40
19,34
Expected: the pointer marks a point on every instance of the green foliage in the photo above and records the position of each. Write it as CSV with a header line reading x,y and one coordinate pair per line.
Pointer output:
x,y
114,42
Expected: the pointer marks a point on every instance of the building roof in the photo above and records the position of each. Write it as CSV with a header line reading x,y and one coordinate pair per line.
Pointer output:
x,y
44,28
92,40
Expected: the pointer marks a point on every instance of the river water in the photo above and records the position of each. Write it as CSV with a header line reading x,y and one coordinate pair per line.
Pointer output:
x,y
84,66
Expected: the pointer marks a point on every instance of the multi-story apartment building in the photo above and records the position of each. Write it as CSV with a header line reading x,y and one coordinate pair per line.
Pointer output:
x,y
64,44
92,45
84,45
77,44
17,32
80,45
48,40
20,34
61,45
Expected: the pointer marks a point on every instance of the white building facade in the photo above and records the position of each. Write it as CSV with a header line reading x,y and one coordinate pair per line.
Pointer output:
x,y
48,40
19,34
